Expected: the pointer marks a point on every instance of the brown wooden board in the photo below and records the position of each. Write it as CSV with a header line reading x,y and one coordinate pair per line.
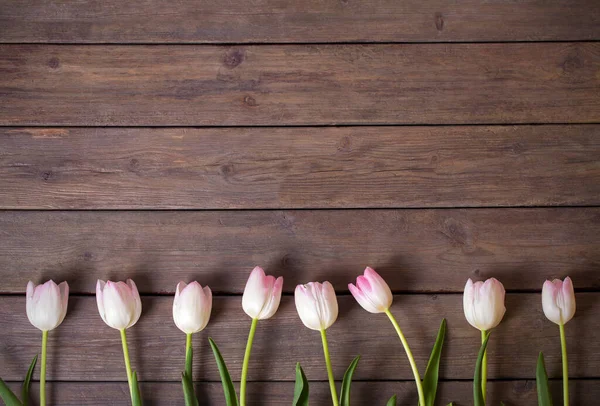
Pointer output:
x,y
187,21
512,393
84,348
351,167
300,84
415,250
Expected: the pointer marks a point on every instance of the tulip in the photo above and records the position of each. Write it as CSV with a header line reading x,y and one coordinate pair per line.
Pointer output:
x,y
260,301
316,305
46,307
318,309
558,303
192,307
262,294
372,292
374,295
558,300
191,312
120,307
483,304
119,303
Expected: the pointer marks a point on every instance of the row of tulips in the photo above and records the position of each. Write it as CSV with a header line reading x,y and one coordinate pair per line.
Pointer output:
x,y
120,307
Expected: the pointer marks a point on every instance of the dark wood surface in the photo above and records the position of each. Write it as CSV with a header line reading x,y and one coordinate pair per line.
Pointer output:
x,y
174,168
415,250
300,84
435,141
205,21
85,349
512,393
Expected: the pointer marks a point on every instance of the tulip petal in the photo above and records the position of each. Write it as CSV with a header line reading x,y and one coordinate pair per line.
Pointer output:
x,y
64,296
100,299
137,302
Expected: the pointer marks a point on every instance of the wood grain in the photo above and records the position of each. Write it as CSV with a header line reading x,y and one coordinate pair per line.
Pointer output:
x,y
415,250
204,21
344,167
512,393
300,84
84,348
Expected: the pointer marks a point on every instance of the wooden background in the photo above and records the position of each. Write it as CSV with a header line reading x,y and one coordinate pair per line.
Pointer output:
x,y
180,140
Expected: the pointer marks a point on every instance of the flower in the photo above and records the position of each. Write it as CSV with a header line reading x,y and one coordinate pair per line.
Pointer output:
x,y
483,303
316,305
191,307
262,294
119,303
558,300
371,292
47,304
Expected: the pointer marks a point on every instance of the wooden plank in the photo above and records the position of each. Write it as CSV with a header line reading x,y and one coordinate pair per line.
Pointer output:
x,y
204,21
84,349
415,250
583,392
300,84
349,167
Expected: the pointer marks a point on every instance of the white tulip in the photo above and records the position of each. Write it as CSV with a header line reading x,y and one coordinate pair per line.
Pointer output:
x,y
47,304
119,303
191,307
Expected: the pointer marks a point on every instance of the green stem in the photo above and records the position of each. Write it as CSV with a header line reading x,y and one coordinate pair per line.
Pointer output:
x,y
246,362
483,366
334,396
411,359
43,370
127,363
188,356
565,365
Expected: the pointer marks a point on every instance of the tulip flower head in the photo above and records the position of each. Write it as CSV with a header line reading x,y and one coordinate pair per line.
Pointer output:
x,y
262,294
191,307
316,305
558,300
372,292
119,303
483,303
47,304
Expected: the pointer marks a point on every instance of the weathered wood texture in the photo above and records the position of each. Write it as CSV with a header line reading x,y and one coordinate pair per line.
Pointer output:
x,y
300,84
157,21
84,348
415,250
512,393
63,168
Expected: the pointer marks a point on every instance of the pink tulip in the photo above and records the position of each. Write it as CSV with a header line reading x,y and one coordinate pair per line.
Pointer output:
x,y
558,300
316,305
262,294
483,303
119,303
372,292
46,304
191,307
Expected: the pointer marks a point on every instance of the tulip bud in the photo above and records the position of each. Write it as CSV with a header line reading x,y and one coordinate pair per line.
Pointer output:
x,y
372,292
191,307
47,304
119,303
262,294
483,303
316,305
558,300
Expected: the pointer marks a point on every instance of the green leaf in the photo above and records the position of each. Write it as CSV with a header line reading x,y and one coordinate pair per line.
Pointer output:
x,y
392,401
9,398
345,392
228,389
25,387
136,399
188,390
541,379
477,391
430,379
300,388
